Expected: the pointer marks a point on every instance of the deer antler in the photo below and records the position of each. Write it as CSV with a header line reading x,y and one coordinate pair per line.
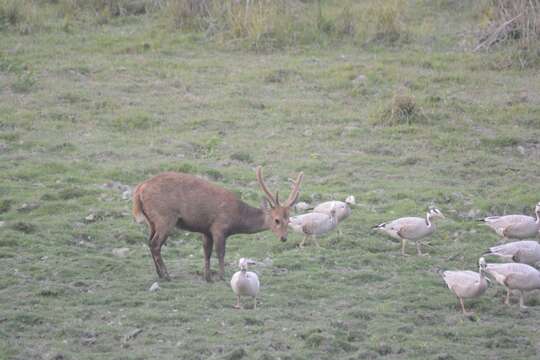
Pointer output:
x,y
295,191
273,202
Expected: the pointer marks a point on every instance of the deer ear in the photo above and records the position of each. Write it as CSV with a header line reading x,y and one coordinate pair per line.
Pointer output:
x,y
265,204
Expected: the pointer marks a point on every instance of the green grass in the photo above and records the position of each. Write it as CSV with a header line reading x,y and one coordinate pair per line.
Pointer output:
x,y
125,100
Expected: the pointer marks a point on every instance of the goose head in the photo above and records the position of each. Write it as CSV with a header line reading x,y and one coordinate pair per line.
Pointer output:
x,y
482,265
243,263
435,213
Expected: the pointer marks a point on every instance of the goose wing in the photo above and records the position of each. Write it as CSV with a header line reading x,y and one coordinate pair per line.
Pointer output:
x,y
411,227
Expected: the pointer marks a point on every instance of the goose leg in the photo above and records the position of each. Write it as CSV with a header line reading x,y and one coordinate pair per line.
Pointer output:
x,y
418,250
403,247
238,305
465,312
522,300
507,300
301,245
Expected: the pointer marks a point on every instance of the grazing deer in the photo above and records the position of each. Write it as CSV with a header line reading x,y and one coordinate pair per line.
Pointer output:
x,y
188,202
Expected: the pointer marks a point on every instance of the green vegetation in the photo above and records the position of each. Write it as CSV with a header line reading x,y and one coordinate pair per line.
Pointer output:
x,y
383,100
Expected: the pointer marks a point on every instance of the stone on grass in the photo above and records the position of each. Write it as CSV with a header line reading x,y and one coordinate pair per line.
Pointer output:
x,y
154,287
120,252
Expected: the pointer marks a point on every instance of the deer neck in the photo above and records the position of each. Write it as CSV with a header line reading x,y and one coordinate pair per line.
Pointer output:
x,y
538,217
251,220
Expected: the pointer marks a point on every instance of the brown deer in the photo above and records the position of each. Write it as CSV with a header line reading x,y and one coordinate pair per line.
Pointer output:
x,y
190,203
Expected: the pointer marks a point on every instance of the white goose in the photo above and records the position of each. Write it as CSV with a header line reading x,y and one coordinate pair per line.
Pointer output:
x,y
342,208
515,226
313,224
411,228
524,251
245,283
516,276
467,284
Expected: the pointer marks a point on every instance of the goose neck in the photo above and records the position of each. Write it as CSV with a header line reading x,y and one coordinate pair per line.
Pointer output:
x,y
428,220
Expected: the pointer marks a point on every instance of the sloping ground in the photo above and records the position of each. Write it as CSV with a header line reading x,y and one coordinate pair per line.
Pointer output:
x,y
84,115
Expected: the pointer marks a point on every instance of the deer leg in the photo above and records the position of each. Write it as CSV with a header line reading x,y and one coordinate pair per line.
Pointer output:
x,y
208,243
219,243
155,248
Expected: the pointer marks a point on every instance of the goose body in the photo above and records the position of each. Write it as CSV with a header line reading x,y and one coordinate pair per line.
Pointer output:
x,y
342,209
524,251
411,228
313,224
467,284
515,226
245,283
515,276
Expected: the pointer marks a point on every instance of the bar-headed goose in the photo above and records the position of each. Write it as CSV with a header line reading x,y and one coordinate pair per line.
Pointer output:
x,y
411,228
245,283
515,226
516,276
524,251
313,224
467,284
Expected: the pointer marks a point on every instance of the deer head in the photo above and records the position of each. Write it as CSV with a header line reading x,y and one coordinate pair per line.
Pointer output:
x,y
279,213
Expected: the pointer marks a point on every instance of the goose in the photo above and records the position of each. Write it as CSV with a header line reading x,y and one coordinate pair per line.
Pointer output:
x,y
245,283
516,276
467,284
411,228
342,208
524,251
313,224
515,226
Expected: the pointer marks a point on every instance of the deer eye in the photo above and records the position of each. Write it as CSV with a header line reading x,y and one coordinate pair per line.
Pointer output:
x,y
276,221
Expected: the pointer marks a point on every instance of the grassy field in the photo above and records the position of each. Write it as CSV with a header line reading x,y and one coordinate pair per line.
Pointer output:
x,y
85,113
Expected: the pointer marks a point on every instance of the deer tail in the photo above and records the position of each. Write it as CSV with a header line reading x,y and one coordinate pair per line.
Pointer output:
x,y
138,212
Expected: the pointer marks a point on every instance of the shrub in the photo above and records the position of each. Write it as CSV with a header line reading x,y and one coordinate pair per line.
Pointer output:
x,y
402,109
516,24
383,22
20,15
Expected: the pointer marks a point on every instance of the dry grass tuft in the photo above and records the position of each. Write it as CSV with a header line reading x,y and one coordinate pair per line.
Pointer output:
x,y
402,110
515,23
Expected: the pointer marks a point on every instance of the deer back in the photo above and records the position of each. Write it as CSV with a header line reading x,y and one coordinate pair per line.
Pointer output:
x,y
187,201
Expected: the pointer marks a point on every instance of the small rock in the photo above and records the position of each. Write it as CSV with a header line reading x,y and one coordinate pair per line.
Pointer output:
x,y
351,200
131,335
154,287
120,252
2,223
90,218
126,195
301,206
473,213
360,79
26,207
3,147
521,150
